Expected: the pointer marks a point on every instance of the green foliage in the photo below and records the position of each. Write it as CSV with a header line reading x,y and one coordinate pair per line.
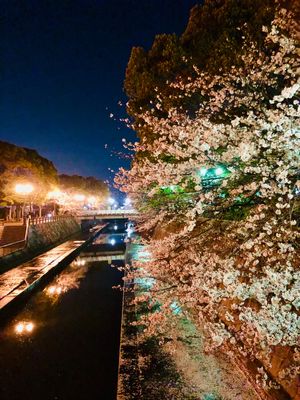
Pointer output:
x,y
216,30
85,185
19,164
212,41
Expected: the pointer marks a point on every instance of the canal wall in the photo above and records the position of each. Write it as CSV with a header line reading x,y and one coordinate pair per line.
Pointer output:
x,y
44,235
21,287
41,237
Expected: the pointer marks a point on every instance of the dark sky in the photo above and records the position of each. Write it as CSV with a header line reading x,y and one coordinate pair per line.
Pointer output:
x,y
63,66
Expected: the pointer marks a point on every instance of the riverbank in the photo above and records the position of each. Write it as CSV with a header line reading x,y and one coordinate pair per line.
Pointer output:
x,y
16,285
168,368
41,238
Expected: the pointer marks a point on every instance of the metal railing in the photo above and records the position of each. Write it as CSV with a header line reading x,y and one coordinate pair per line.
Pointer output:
x,y
15,246
12,247
105,212
20,244
47,220
17,221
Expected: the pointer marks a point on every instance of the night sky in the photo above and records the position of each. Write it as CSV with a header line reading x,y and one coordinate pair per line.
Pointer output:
x,y
63,67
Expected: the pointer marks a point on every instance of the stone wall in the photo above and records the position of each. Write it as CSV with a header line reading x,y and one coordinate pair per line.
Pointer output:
x,y
41,238
44,235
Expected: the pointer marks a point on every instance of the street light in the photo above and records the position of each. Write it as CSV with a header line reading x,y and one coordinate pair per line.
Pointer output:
x,y
92,200
24,188
79,197
55,195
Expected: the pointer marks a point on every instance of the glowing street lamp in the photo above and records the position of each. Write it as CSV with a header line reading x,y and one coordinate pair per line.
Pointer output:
x,y
92,200
24,188
79,197
55,194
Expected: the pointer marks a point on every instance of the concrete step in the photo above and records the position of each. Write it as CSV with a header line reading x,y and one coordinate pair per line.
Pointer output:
x,y
12,233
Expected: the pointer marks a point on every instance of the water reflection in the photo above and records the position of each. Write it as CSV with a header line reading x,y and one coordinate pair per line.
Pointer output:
x,y
54,290
69,279
24,327
111,239
60,328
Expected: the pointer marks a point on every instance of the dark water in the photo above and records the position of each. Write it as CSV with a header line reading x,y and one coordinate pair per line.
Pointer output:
x,y
71,350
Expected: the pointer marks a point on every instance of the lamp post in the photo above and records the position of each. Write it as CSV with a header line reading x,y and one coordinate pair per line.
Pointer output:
x,y
24,189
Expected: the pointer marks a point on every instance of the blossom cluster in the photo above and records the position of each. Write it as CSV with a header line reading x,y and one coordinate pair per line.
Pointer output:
x,y
228,251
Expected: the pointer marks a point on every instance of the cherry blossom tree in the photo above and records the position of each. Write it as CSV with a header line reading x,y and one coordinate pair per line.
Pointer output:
x,y
225,246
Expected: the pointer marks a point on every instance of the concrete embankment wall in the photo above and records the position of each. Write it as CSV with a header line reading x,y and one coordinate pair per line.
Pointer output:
x,y
43,235
40,239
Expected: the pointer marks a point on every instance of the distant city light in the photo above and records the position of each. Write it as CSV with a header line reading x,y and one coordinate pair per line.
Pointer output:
x,y
24,188
112,242
115,227
79,262
127,201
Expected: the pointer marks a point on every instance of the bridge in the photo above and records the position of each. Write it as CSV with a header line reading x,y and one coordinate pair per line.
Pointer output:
x,y
106,214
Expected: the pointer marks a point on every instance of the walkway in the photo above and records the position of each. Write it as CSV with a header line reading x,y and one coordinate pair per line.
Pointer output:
x,y
14,281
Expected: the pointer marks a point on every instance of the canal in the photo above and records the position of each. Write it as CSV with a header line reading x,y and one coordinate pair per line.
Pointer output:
x,y
64,342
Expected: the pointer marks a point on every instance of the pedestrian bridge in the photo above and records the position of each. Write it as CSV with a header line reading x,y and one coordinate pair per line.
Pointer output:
x,y
106,214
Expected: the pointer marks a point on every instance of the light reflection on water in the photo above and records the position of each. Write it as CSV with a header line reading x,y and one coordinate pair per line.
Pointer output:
x,y
24,327
69,279
112,239
65,343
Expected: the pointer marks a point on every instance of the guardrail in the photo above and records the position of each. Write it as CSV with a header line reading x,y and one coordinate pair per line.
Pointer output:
x,y
12,247
20,244
47,220
15,246
11,221
105,212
